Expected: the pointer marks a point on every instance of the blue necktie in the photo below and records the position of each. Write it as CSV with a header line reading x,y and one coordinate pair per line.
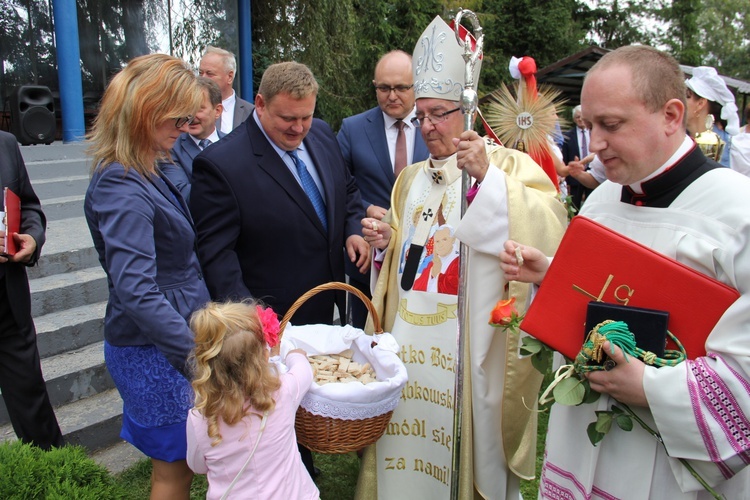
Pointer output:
x,y
204,143
308,184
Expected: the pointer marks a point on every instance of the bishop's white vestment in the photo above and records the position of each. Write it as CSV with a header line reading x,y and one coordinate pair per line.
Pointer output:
x,y
413,459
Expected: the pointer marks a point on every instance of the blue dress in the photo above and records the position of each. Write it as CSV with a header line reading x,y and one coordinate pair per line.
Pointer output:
x,y
144,235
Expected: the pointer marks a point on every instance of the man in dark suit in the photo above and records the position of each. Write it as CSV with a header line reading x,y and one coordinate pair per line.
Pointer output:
x,y
576,147
21,380
220,66
202,132
275,206
370,144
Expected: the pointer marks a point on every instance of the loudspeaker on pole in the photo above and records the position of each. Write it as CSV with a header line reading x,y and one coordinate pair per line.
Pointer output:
x,y
32,115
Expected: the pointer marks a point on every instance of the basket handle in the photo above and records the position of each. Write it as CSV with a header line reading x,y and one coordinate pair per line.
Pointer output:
x,y
333,285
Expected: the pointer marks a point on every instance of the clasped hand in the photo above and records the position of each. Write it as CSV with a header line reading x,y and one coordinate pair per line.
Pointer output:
x,y
472,154
26,247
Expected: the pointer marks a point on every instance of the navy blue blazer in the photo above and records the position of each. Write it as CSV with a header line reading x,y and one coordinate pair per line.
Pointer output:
x,y
258,234
180,172
145,239
14,176
365,149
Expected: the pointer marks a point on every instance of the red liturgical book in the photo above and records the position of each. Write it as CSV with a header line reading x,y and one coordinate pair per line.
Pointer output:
x,y
12,205
621,271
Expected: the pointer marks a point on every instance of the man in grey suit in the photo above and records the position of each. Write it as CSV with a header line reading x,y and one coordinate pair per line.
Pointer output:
x,y
377,145
220,66
202,132
21,380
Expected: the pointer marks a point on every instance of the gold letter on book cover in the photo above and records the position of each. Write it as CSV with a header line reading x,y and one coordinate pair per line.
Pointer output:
x,y
618,291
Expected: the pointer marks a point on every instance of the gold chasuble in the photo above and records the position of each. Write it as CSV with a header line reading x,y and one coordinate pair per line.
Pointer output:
x,y
413,459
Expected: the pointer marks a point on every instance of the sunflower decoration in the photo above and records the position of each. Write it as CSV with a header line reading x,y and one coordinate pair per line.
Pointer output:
x,y
525,120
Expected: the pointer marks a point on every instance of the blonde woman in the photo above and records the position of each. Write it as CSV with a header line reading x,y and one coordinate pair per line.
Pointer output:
x,y
144,235
241,431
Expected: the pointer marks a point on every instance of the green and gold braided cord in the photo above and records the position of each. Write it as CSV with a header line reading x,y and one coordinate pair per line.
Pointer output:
x,y
617,333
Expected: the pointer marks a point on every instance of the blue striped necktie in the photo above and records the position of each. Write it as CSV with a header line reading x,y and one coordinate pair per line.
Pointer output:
x,y
204,143
308,184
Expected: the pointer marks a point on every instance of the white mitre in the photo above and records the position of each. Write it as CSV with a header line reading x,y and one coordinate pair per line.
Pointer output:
x,y
439,66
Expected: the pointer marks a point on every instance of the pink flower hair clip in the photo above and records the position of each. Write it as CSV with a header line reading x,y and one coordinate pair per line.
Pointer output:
x,y
270,325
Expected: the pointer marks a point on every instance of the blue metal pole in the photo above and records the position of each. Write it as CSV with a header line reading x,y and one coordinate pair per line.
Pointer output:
x,y
69,69
245,29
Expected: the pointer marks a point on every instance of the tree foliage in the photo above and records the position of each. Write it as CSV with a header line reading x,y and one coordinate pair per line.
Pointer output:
x,y
724,26
341,40
681,35
547,30
615,23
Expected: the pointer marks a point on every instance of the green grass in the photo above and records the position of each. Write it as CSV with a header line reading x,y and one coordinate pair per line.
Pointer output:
x,y
27,472
530,489
337,481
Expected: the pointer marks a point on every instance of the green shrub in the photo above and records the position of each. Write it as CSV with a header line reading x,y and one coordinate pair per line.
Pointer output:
x,y
27,472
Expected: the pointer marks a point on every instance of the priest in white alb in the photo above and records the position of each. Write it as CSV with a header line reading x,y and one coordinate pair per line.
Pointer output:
x,y
662,191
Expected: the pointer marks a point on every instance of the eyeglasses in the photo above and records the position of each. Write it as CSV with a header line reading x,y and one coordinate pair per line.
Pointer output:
x,y
185,120
418,121
399,89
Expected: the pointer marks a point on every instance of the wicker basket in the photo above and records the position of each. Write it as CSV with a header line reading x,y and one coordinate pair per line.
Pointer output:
x,y
332,435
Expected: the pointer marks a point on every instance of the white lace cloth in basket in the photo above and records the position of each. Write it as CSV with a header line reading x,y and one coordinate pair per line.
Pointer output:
x,y
354,400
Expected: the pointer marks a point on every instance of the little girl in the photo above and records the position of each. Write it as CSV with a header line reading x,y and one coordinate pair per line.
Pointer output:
x,y
241,430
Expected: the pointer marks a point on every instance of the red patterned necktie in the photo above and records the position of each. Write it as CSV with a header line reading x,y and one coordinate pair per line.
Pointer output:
x,y
400,160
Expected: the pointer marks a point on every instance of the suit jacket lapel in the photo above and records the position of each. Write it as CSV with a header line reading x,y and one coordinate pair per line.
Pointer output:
x,y
375,131
269,161
172,194
190,147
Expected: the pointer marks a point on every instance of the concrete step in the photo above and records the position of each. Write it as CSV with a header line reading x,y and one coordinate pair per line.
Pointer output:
x,y
51,169
64,207
118,457
68,248
76,374
68,329
57,187
72,376
57,151
93,422
67,290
